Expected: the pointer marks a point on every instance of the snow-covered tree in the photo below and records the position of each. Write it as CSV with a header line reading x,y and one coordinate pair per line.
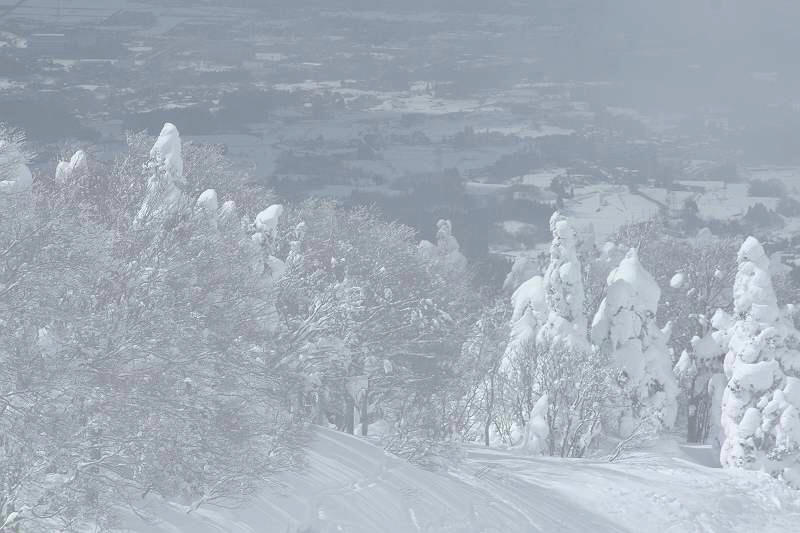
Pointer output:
x,y
696,277
166,186
446,251
378,328
760,404
700,371
482,356
625,328
537,430
135,359
563,288
549,354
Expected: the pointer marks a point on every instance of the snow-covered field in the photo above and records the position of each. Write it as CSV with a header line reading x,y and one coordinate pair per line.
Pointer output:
x,y
607,207
351,485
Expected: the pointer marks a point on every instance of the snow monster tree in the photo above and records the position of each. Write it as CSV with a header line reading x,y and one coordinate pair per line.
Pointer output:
x,y
760,417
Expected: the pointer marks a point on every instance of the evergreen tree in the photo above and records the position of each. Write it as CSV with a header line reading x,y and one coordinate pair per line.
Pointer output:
x,y
625,328
760,405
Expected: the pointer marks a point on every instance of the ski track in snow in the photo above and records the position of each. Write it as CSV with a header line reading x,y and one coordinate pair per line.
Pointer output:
x,y
352,486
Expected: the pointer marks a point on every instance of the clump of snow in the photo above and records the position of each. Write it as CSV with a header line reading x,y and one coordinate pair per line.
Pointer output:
x,y
67,171
677,281
208,201
529,312
166,183
646,289
267,220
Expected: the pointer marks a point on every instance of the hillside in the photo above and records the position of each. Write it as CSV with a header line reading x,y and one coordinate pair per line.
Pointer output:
x,y
352,486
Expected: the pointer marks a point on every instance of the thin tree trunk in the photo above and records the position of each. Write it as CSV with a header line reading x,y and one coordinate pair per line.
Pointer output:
x,y
489,409
365,412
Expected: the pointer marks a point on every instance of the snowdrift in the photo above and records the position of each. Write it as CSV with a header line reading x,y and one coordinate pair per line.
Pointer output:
x,y
350,485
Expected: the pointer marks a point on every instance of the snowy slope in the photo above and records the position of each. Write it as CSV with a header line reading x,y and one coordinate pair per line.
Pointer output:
x,y
352,486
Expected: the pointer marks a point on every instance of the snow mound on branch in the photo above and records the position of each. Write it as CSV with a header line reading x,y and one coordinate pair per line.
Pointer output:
x,y
267,220
644,285
208,203
167,151
616,320
677,281
529,296
529,312
685,367
66,171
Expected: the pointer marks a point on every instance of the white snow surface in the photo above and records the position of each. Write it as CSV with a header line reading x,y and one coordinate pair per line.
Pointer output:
x,y
352,486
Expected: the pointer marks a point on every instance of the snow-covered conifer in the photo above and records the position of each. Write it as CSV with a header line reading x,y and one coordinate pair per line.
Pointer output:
x,y
760,404
446,252
563,288
625,328
166,184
